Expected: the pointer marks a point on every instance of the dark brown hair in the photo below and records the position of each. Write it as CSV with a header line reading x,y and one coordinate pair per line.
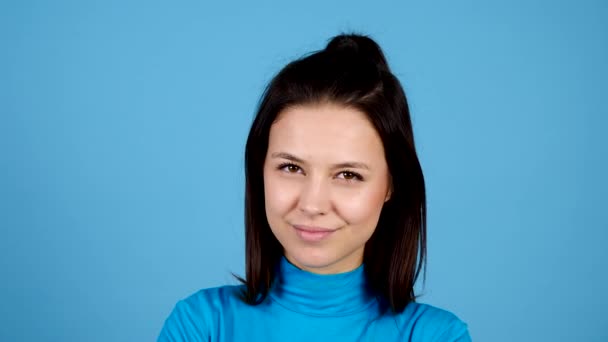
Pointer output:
x,y
350,71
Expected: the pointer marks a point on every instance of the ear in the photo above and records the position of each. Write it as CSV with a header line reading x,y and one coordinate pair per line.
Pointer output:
x,y
389,193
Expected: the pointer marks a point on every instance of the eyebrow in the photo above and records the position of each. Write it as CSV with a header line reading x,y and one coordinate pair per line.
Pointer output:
x,y
349,164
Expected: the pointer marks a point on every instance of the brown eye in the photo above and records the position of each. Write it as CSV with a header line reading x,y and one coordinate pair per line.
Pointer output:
x,y
289,168
348,175
351,176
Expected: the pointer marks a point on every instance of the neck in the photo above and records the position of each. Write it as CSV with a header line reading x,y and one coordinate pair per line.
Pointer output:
x,y
335,268
321,294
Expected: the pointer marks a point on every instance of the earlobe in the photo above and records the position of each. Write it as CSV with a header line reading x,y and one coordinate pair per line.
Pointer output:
x,y
388,195
389,192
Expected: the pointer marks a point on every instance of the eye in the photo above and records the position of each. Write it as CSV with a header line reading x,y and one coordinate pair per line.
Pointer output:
x,y
350,176
289,167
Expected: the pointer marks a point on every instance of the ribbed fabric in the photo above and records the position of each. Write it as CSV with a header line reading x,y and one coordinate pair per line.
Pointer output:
x,y
307,307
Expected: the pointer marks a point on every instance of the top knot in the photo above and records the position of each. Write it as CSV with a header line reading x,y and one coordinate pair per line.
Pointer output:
x,y
362,47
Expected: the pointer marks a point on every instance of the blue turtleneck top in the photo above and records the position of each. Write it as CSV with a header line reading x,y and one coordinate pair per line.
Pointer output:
x,y
307,307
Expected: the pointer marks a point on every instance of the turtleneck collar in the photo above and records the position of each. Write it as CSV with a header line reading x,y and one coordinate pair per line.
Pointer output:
x,y
319,294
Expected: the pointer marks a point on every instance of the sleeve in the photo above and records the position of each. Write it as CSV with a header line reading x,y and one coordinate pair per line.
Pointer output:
x,y
457,332
183,325
425,323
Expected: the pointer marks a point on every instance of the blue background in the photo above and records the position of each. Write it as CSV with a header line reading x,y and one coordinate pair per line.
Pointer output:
x,y
122,132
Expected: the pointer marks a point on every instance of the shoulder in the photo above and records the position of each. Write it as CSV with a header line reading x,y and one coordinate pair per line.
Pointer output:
x,y
213,298
191,317
423,322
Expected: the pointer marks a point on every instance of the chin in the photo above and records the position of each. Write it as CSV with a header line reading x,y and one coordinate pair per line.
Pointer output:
x,y
313,261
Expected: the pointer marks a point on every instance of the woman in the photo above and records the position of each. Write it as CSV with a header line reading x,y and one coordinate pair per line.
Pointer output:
x,y
335,214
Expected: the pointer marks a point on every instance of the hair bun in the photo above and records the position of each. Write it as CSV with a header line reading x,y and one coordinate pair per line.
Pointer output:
x,y
362,47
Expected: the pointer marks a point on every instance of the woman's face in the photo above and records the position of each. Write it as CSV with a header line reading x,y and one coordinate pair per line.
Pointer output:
x,y
325,182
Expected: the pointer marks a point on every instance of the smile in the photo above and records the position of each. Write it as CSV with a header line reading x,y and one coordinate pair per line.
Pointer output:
x,y
313,234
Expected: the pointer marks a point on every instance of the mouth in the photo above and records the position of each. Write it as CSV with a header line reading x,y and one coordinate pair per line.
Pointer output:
x,y
313,234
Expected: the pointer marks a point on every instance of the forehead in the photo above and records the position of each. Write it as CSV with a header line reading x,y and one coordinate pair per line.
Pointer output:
x,y
325,131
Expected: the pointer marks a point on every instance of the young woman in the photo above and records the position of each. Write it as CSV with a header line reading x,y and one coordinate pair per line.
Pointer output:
x,y
335,214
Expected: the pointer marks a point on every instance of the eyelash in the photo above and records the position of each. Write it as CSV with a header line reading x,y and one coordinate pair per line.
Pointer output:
x,y
355,175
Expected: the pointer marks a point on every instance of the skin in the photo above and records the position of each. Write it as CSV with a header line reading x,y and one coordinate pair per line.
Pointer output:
x,y
307,184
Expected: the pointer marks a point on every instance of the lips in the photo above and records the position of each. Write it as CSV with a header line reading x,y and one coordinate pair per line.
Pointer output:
x,y
312,229
313,234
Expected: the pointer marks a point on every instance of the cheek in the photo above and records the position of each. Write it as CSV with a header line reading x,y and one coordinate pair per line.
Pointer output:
x,y
363,207
279,197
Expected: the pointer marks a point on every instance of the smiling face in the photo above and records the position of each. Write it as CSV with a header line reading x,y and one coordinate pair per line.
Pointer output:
x,y
325,182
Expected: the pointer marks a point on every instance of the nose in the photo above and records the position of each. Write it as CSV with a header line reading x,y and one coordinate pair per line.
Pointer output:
x,y
314,197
